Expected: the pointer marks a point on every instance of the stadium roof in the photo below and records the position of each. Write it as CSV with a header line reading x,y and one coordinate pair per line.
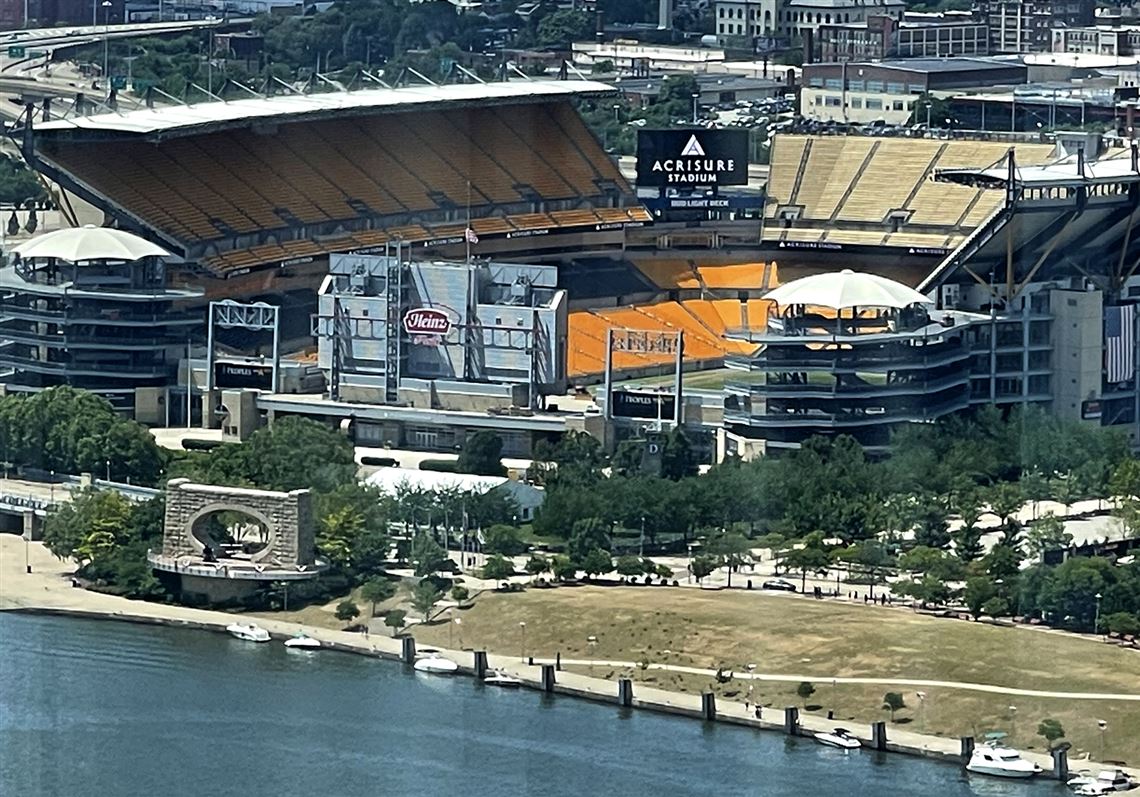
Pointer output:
x,y
187,119
846,289
1063,172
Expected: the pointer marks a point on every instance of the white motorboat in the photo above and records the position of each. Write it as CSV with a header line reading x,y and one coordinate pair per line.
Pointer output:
x,y
436,664
248,631
500,678
303,642
1002,762
426,653
1106,782
840,737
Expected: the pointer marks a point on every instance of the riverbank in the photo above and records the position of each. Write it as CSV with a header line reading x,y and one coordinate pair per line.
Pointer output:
x,y
48,590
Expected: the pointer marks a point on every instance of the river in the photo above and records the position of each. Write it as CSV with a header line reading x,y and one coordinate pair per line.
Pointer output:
x,y
114,709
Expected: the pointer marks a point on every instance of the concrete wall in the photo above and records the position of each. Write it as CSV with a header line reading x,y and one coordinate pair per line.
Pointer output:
x,y
289,517
1077,350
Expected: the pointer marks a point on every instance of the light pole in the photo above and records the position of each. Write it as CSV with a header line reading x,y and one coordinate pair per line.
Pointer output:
x,y
1103,727
1096,622
690,547
641,540
522,650
108,463
696,97
51,486
210,58
27,562
921,711
1012,721
617,109
591,643
106,4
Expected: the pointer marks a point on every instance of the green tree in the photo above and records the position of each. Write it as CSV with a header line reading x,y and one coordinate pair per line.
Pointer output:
x,y
678,459
425,595
295,453
702,566
937,563
503,539
1047,534
930,109
589,534
932,526
427,555
597,562
18,183
871,560
805,690
1050,730
89,525
730,550
995,607
893,701
537,565
377,590
498,568
562,28
347,611
1122,623
459,594
808,559
564,568
395,619
978,592
482,455
927,591
629,566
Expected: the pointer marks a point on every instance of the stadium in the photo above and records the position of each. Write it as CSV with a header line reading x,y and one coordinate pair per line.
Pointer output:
x,y
467,256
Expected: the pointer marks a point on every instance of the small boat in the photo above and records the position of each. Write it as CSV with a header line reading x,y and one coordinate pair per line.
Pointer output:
x,y
426,653
303,642
437,664
500,678
1002,762
840,737
1106,782
248,631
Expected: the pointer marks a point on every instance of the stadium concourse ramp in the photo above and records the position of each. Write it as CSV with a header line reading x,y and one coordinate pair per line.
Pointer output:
x,y
244,184
840,193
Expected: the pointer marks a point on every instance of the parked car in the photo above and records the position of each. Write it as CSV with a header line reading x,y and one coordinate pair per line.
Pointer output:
x,y
779,584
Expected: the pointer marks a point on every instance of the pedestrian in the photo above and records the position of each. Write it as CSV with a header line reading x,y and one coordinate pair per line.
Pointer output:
x,y
758,712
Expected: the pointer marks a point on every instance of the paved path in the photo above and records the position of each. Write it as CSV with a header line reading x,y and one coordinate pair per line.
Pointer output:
x,y
756,676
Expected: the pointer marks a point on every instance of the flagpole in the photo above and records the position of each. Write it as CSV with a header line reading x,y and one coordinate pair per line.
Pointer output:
x,y
467,230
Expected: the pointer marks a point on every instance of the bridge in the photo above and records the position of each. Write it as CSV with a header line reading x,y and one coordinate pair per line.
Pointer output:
x,y
24,503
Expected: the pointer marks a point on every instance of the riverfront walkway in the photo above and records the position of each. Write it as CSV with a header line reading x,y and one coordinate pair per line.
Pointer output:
x,y
48,587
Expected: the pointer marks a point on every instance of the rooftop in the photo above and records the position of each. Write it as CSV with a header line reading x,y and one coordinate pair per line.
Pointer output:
x,y
941,65
201,117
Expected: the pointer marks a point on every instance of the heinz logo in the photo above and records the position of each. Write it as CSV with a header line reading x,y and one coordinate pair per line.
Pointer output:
x,y
426,321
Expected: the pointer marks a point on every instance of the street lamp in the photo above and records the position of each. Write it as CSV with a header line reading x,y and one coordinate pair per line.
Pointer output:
x,y
108,464
106,5
617,109
1012,721
641,540
696,97
690,547
51,485
522,650
1103,727
591,643
1096,622
27,563
210,57
921,711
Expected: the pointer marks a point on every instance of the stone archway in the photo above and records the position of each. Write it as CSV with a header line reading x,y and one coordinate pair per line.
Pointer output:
x,y
288,518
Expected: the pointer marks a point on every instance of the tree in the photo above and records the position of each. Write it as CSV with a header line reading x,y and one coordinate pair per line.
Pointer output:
x,y
893,701
597,562
663,571
928,590
563,568
928,108
1050,730
295,453
90,524
1047,534
503,539
562,28
460,593
678,459
871,559
996,606
979,590
805,690
395,619
498,568
377,590
702,566
428,555
589,534
352,529
934,562
730,550
482,455
347,611
629,565
537,565
932,527
807,559
1121,623
424,597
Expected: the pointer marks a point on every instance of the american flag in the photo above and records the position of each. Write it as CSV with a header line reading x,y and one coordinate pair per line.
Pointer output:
x,y
470,235
1119,343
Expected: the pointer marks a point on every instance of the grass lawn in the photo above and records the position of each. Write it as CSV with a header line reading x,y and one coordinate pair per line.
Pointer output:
x,y
820,639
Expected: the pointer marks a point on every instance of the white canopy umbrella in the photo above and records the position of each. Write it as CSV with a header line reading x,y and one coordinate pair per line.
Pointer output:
x,y
845,289
78,244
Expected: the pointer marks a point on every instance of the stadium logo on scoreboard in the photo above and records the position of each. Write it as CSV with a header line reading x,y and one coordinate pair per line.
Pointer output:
x,y
688,157
427,324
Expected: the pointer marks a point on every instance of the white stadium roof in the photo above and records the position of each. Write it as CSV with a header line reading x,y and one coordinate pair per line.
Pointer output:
x,y
391,480
228,113
1063,172
845,289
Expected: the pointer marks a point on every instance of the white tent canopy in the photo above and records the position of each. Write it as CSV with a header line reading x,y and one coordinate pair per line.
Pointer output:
x,y
79,244
845,289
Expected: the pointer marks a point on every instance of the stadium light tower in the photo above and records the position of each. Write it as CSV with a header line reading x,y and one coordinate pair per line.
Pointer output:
x,y
696,96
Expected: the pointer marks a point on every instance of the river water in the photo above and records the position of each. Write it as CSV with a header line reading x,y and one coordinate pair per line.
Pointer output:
x,y
113,709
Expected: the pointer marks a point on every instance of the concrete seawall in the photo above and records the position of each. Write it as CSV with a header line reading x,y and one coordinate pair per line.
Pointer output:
x,y
575,685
